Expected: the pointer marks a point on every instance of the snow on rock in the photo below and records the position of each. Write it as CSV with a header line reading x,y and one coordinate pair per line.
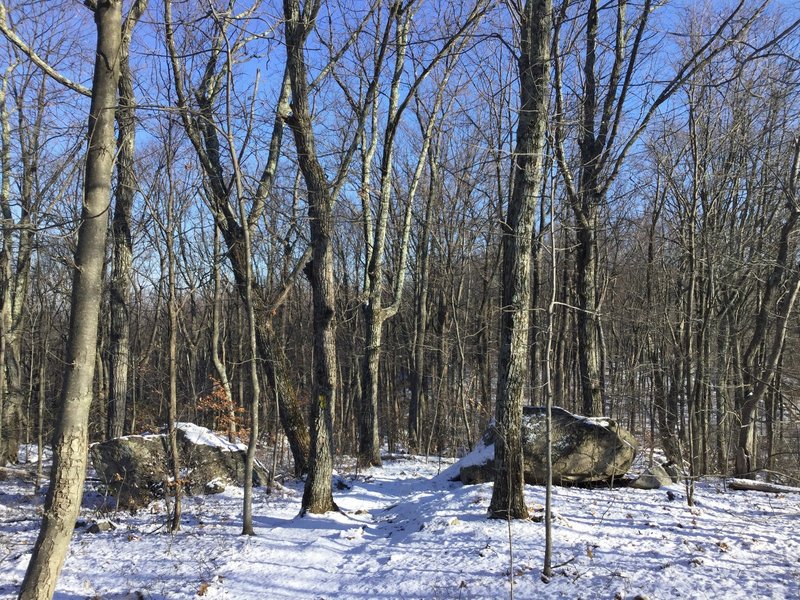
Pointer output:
x,y
481,455
201,436
134,468
584,450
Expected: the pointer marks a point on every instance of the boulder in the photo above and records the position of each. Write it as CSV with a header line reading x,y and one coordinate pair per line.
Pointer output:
x,y
673,471
652,478
101,526
135,468
585,450
215,486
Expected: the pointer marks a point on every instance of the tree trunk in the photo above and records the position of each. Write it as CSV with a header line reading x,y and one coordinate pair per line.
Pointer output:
x,y
70,448
121,266
276,370
508,500
586,315
416,408
585,206
369,443
175,518
663,408
14,282
216,355
172,343
317,495
5,257
375,314
41,399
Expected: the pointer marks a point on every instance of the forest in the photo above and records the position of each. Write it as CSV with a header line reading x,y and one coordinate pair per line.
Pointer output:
x,y
359,228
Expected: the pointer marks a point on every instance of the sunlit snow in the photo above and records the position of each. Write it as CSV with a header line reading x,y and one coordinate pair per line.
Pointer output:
x,y
407,531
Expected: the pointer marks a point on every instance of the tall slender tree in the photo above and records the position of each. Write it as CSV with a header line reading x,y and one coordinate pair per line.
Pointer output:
x,y
318,494
508,501
120,283
376,313
70,444
201,125
17,252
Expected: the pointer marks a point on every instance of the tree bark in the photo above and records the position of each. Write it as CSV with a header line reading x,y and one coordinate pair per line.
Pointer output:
x,y
121,265
70,447
317,494
5,267
369,441
172,342
508,501
586,316
585,206
216,354
276,370
416,409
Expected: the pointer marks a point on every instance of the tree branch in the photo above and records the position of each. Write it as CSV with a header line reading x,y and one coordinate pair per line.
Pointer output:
x,y
12,37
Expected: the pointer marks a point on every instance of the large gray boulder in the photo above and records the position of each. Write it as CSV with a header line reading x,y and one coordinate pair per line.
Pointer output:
x,y
652,478
585,450
135,468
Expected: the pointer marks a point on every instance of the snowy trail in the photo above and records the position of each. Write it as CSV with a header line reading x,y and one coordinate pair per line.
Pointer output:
x,y
351,554
405,533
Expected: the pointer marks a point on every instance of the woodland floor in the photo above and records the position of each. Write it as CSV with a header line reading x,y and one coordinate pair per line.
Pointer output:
x,y
407,531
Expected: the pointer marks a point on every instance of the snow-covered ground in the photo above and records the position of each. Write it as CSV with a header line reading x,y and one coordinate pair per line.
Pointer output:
x,y
407,531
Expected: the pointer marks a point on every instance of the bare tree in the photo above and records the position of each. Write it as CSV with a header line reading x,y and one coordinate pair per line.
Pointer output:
x,y
17,253
318,495
417,405
508,501
375,312
200,123
169,227
604,142
9,416
255,386
5,253
121,266
724,179
779,297
70,446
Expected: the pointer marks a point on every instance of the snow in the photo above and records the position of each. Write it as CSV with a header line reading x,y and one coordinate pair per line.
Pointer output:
x,y
407,531
205,437
480,455
201,436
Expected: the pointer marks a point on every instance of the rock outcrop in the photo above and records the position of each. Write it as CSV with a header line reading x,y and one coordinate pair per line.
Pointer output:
x,y
585,450
136,468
